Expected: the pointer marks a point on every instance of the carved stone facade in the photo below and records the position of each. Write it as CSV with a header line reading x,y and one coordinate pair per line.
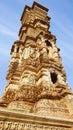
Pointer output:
x,y
36,78
14,120
27,126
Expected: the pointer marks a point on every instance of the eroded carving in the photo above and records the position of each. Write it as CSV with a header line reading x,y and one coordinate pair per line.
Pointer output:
x,y
35,71
4,125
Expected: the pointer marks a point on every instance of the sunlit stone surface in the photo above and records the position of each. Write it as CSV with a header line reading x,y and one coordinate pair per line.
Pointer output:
x,y
37,96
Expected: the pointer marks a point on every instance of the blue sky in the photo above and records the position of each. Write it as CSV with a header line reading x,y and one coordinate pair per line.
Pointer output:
x,y
61,13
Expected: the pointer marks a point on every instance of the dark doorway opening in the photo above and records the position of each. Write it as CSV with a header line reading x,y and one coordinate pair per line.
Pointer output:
x,y
18,49
48,43
54,77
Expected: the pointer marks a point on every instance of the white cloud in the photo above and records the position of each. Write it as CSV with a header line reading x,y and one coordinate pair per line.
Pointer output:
x,y
7,31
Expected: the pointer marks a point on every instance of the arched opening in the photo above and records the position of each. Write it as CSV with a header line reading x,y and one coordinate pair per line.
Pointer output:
x,y
48,43
17,49
53,77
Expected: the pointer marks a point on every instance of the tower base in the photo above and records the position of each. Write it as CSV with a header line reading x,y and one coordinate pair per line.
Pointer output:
x,y
14,120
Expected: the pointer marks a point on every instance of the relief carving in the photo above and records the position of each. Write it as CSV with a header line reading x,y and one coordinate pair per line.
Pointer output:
x,y
36,74
9,95
7,125
25,126
30,52
1,125
49,107
28,79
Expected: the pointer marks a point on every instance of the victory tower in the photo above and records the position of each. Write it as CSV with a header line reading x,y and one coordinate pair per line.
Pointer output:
x,y
37,96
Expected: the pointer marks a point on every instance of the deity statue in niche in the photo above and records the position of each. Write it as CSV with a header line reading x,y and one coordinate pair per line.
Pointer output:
x,y
61,80
52,50
45,48
25,53
42,50
30,51
49,48
28,79
30,56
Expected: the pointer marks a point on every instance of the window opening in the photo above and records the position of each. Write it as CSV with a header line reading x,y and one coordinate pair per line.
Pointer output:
x,y
48,43
18,49
54,77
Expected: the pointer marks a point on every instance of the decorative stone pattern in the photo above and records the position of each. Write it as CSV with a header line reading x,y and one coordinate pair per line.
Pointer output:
x,y
36,77
51,108
35,70
4,125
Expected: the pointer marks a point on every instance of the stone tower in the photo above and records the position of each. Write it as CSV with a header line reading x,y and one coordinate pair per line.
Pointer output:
x,y
37,96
